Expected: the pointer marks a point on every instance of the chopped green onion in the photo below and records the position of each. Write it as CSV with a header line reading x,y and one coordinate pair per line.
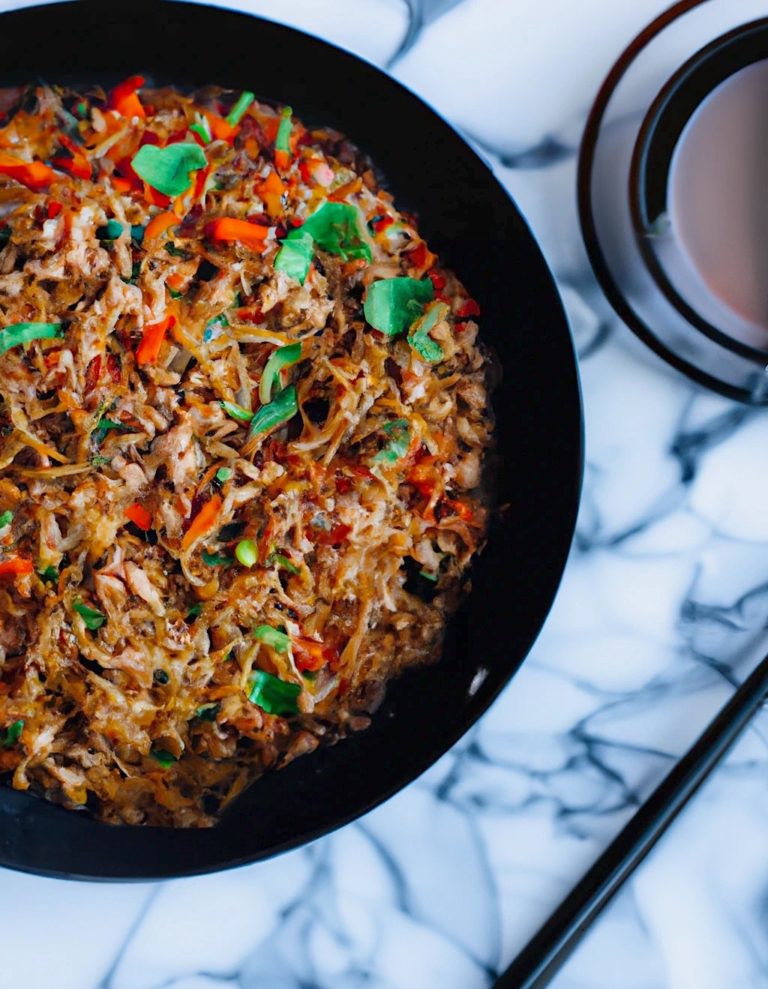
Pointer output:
x,y
274,695
223,474
207,712
237,112
82,108
5,519
12,734
247,552
399,442
202,128
429,576
392,304
283,138
165,759
105,425
110,231
168,169
212,324
93,619
279,359
419,337
49,575
161,677
216,559
284,407
175,294
194,611
19,333
272,637
237,411
137,232
283,562
295,255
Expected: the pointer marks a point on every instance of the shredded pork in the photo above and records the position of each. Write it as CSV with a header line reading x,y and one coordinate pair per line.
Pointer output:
x,y
187,600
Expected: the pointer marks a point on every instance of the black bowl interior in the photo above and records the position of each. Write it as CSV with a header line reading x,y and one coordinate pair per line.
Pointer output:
x,y
470,220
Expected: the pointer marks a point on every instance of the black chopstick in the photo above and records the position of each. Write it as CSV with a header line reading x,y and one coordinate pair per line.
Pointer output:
x,y
544,954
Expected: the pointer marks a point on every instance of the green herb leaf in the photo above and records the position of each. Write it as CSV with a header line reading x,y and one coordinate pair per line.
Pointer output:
x,y
295,255
419,337
19,333
236,411
223,474
238,111
334,228
168,169
49,575
274,695
216,559
5,519
166,759
283,138
284,407
279,359
400,440
392,304
194,611
277,640
174,293
247,552
93,619
283,562
11,735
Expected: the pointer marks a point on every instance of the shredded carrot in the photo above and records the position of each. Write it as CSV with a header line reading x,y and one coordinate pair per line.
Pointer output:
x,y
175,280
309,655
203,522
220,129
270,190
252,235
122,185
125,99
139,515
283,159
34,175
349,189
159,224
17,566
149,349
54,209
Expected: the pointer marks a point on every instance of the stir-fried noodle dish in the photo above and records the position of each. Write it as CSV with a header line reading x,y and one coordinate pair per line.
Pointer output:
x,y
243,421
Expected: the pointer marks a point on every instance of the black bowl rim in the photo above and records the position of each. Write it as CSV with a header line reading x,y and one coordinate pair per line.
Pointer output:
x,y
567,523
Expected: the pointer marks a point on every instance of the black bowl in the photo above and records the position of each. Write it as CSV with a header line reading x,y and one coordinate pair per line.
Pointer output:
x,y
471,221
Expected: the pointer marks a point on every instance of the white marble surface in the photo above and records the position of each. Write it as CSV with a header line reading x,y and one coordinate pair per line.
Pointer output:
x,y
662,609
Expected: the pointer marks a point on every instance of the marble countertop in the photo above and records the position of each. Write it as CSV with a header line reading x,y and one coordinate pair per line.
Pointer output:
x,y
661,611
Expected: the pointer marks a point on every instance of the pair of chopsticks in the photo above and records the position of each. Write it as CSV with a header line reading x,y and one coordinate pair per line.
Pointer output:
x,y
545,953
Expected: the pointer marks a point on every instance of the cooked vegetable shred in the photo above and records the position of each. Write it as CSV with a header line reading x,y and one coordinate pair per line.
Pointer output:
x,y
243,423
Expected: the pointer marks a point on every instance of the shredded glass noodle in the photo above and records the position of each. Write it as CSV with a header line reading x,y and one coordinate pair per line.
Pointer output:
x,y
242,426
